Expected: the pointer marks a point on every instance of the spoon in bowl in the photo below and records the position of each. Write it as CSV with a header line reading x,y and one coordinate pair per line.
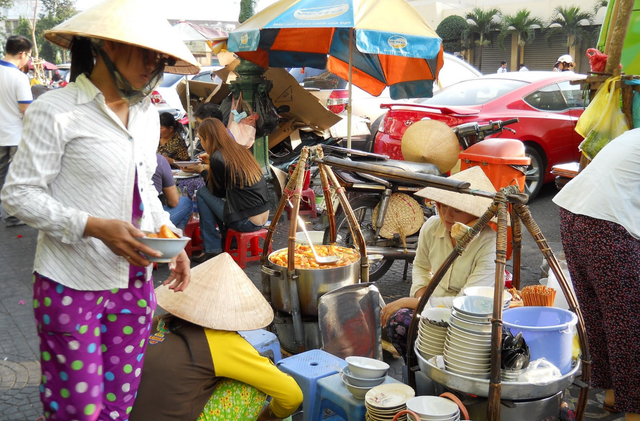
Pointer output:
x,y
327,260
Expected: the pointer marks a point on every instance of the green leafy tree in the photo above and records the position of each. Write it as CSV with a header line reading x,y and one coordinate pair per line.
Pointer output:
x,y
56,11
451,30
568,22
523,26
481,23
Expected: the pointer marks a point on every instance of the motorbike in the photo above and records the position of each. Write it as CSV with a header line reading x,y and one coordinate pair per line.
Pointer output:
x,y
369,197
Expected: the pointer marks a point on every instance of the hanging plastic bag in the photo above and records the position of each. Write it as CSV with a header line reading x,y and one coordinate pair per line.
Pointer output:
x,y
244,130
603,120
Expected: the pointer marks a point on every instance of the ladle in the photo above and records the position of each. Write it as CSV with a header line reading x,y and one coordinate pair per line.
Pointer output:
x,y
328,260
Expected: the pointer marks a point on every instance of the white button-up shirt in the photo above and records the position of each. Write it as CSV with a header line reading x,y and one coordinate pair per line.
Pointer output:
x,y
474,267
609,187
76,159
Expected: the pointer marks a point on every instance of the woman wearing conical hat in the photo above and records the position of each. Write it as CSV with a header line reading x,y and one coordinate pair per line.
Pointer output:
x,y
475,267
82,177
198,362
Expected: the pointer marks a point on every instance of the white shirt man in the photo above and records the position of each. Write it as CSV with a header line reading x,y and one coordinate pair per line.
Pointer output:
x,y
15,96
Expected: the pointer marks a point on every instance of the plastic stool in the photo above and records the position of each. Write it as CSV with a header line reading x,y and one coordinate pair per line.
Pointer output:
x,y
192,230
307,368
307,204
331,393
248,242
265,342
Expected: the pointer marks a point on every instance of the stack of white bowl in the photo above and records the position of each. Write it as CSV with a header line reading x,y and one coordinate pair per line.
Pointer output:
x,y
431,336
434,408
385,401
467,349
488,292
362,374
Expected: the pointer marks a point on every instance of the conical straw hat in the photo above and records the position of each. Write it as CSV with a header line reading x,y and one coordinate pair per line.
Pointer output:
x,y
134,22
473,205
404,216
433,142
220,296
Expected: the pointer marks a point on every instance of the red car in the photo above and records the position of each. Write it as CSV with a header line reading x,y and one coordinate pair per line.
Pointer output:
x,y
546,103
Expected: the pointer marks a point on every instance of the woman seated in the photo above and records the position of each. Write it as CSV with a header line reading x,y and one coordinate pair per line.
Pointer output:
x,y
236,194
179,207
475,267
172,145
198,367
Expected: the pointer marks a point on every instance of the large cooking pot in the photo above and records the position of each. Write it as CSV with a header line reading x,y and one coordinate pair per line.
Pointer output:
x,y
312,283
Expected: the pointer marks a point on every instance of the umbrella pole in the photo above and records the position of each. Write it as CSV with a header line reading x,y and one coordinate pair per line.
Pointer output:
x,y
191,145
350,85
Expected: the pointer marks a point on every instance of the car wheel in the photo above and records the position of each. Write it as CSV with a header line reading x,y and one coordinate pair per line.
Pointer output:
x,y
371,139
535,172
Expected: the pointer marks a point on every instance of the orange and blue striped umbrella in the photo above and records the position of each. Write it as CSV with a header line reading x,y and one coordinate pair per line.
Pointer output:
x,y
390,44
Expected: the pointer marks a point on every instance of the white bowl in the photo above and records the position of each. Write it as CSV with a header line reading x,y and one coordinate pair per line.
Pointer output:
x,y
169,247
473,305
360,382
486,292
432,406
367,368
358,392
436,313
470,326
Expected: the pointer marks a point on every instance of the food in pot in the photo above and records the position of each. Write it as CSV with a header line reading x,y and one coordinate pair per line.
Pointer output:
x,y
164,232
304,256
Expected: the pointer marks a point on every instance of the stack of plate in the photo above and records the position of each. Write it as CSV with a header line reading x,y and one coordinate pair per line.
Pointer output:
x,y
467,349
434,408
488,292
385,401
432,331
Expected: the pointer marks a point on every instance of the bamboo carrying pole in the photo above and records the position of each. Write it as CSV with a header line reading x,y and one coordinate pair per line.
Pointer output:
x,y
618,35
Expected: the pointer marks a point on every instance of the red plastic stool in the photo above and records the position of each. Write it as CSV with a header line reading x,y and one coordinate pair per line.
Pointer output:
x,y
248,242
192,230
307,204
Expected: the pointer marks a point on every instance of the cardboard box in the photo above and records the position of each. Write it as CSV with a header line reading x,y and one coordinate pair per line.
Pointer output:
x,y
201,91
303,105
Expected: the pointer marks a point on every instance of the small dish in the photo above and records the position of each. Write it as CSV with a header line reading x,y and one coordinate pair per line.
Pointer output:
x,y
359,381
169,247
367,368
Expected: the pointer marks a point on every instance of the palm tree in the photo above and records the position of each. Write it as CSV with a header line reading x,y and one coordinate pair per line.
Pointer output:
x,y
482,22
566,21
522,26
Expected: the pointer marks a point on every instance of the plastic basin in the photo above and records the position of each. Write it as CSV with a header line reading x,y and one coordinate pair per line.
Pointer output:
x,y
547,330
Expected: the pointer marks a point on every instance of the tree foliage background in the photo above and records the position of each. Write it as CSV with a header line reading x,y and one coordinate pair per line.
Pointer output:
x,y
56,11
451,30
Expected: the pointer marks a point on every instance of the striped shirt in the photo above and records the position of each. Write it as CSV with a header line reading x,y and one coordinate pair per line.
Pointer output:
x,y
76,159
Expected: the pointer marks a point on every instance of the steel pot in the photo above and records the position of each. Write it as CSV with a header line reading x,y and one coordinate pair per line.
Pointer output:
x,y
312,283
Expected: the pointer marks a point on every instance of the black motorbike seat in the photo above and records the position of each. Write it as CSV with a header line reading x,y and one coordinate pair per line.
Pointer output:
x,y
412,167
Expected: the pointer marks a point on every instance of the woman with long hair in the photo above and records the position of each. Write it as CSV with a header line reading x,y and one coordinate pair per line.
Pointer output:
x,y
82,177
236,194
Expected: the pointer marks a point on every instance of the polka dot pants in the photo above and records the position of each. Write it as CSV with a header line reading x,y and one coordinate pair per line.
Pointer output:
x,y
92,347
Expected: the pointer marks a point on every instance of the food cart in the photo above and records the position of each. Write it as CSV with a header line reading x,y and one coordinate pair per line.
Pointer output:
x,y
522,398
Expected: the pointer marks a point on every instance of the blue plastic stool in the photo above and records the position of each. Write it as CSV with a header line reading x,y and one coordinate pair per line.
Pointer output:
x,y
307,368
331,393
265,342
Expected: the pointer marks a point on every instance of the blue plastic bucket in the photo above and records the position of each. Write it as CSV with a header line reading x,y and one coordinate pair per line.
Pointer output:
x,y
547,330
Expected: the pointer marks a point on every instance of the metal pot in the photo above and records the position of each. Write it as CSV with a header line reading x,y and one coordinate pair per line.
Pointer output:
x,y
312,283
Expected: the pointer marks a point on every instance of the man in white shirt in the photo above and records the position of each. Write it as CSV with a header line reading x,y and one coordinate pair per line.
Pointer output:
x,y
15,96
503,67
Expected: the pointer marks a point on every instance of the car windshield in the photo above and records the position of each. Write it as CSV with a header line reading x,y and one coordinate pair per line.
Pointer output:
x,y
170,79
473,92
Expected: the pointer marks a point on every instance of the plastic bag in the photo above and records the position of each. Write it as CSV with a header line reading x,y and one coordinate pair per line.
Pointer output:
x,y
603,120
242,128
269,118
541,371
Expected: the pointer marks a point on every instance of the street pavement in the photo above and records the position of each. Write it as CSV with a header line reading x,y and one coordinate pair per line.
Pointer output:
x,y
19,355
